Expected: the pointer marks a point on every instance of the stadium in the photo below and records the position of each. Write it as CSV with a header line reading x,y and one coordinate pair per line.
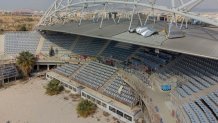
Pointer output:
x,y
136,60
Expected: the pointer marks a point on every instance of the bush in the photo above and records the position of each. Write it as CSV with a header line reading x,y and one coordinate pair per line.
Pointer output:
x,y
86,108
54,87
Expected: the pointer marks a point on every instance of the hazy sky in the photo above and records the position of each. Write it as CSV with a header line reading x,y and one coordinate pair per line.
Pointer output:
x,y
44,4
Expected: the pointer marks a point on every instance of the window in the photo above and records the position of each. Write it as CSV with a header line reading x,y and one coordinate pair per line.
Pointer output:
x,y
88,97
120,113
127,117
83,94
104,105
93,99
98,102
112,109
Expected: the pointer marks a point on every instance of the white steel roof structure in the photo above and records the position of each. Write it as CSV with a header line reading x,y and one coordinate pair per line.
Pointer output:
x,y
62,10
91,18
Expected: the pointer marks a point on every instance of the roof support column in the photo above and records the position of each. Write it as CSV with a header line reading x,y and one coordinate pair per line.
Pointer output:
x,y
133,11
81,15
102,17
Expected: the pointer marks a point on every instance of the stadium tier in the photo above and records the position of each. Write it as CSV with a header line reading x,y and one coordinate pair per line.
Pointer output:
x,y
193,75
88,46
119,51
203,110
7,72
95,74
67,69
151,59
197,73
60,43
16,42
121,91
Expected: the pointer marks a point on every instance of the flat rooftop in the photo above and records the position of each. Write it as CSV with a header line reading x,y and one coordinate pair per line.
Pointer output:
x,y
199,41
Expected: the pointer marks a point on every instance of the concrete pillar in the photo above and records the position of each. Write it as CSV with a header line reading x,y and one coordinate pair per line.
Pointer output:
x,y
48,67
37,67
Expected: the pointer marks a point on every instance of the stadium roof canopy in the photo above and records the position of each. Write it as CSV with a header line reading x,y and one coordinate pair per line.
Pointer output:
x,y
112,20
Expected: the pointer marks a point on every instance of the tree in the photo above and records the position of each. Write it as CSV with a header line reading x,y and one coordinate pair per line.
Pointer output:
x,y
26,61
54,87
86,108
51,52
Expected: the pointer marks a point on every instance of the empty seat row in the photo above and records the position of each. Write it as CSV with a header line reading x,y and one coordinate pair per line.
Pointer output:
x,y
16,42
88,46
95,74
198,74
119,90
203,110
8,71
67,69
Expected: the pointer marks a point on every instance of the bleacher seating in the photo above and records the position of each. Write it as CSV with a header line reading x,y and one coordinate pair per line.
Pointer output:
x,y
151,59
16,42
67,69
61,43
203,110
119,90
95,74
193,117
8,71
198,73
88,46
119,51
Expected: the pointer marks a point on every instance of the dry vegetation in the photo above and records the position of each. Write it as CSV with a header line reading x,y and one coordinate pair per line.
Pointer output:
x,y
15,22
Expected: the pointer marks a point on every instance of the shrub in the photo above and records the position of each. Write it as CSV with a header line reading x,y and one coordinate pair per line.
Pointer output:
x,y
54,87
86,108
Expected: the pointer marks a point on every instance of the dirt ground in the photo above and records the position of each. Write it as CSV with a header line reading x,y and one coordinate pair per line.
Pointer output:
x,y
28,103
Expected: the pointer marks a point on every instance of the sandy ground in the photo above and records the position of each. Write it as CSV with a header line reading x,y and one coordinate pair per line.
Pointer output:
x,y
28,103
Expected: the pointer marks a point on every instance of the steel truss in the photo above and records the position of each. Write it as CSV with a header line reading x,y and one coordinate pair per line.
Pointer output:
x,y
62,11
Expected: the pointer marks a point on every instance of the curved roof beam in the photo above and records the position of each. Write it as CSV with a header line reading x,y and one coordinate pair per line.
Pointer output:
x,y
178,11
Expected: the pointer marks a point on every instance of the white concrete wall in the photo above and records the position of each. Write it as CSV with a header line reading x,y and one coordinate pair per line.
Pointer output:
x,y
2,44
110,112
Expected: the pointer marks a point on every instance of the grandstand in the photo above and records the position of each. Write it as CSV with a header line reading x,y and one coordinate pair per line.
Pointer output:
x,y
203,109
60,43
185,74
162,78
198,74
99,78
8,73
16,42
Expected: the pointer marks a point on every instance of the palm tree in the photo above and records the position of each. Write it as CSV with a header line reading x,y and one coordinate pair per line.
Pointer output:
x,y
26,61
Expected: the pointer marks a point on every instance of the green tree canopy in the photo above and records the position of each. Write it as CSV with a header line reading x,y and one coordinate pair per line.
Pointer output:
x,y
54,87
26,61
86,108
